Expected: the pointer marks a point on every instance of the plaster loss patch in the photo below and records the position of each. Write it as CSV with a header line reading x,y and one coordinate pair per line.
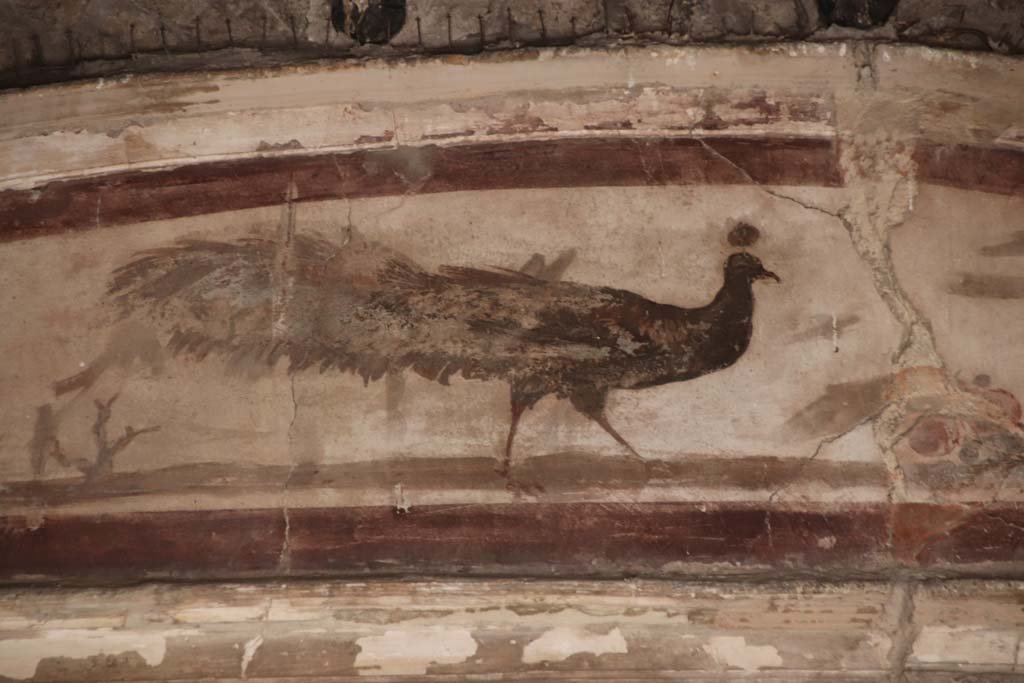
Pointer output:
x,y
965,645
413,651
734,652
563,642
19,657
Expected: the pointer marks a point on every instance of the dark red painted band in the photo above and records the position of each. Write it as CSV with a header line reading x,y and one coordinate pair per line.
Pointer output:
x,y
136,196
530,539
985,169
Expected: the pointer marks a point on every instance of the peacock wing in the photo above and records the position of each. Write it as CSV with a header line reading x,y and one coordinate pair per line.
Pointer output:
x,y
254,301
567,314
499,323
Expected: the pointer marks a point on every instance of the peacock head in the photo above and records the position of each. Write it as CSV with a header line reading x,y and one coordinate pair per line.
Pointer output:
x,y
746,266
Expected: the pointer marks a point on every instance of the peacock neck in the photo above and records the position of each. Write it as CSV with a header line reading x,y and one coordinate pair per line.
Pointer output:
x,y
729,323
697,341
735,297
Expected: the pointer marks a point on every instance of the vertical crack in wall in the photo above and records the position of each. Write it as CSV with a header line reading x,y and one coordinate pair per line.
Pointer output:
x,y
877,140
252,646
904,630
295,407
284,558
282,281
876,156
880,188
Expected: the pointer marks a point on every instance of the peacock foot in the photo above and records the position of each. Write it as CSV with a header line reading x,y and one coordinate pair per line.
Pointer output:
x,y
521,486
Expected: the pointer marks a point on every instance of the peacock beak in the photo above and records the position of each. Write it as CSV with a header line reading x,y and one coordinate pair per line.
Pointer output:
x,y
765,274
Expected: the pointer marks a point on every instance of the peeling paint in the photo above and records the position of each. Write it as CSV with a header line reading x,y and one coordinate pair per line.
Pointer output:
x,y
733,652
562,642
249,651
212,614
863,629
966,645
19,657
413,651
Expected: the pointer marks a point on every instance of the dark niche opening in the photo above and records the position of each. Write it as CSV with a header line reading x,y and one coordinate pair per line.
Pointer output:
x,y
376,21
856,13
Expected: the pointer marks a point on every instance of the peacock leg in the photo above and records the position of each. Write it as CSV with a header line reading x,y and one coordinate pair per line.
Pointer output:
x,y
524,395
602,420
591,403
517,412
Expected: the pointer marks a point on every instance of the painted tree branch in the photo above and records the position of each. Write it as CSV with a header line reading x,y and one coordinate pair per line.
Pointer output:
x,y
105,450
47,444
